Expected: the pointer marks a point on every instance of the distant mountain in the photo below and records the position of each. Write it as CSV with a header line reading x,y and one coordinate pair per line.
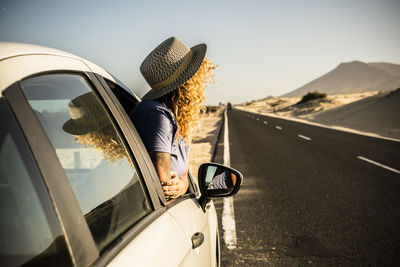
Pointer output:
x,y
354,77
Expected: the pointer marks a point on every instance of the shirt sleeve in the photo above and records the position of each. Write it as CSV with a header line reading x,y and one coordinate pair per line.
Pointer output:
x,y
155,127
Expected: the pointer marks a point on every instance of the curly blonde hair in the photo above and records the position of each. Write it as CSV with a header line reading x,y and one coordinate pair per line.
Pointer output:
x,y
106,142
186,101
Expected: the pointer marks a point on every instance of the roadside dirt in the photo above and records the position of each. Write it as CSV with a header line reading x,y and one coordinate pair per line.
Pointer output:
x,y
205,137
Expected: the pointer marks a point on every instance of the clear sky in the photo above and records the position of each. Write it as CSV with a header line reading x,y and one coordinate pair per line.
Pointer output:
x,y
262,47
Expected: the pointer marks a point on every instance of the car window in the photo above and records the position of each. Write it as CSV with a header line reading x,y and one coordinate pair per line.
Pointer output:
x,y
29,230
128,102
96,161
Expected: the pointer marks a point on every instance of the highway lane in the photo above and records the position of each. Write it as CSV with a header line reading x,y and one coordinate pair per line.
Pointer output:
x,y
374,148
307,199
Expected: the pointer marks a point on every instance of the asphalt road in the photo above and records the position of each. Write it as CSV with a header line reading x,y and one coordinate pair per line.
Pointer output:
x,y
310,200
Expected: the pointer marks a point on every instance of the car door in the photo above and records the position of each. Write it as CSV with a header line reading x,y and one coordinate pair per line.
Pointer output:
x,y
126,222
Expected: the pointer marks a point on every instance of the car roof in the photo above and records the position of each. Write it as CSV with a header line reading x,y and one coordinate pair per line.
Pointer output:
x,y
10,50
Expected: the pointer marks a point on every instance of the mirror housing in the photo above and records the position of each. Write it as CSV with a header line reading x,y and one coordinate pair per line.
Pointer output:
x,y
216,180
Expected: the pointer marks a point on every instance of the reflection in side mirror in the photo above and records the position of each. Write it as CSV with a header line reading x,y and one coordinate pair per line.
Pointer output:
x,y
216,180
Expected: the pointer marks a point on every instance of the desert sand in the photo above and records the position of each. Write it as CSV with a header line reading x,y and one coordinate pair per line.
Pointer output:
x,y
372,113
378,114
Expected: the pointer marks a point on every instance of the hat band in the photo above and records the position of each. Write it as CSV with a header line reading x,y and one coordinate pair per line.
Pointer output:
x,y
175,75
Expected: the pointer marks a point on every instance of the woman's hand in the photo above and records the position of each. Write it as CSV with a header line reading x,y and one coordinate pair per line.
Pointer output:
x,y
175,187
172,185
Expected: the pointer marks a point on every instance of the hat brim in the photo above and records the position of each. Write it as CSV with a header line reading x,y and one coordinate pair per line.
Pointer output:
x,y
199,52
82,126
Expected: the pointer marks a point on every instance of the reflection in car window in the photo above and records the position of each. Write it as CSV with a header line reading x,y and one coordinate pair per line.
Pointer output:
x,y
29,231
91,151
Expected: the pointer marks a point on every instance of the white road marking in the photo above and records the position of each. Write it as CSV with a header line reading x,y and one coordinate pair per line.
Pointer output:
x,y
265,122
304,137
278,127
257,119
337,128
228,212
378,164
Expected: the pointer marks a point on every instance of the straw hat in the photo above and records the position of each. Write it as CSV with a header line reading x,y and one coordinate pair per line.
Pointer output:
x,y
87,115
170,65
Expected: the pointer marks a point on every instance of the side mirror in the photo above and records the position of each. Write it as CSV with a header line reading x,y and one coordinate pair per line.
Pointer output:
x,y
216,180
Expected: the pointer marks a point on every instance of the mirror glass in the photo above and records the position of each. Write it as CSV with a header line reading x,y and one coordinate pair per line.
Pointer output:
x,y
219,180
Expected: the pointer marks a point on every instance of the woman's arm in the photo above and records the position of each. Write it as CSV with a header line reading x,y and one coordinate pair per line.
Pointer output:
x,y
162,164
173,186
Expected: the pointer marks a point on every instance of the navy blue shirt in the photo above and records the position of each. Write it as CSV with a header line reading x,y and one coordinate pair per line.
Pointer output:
x,y
156,125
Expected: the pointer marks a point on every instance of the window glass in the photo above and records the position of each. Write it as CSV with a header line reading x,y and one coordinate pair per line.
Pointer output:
x,y
91,151
29,230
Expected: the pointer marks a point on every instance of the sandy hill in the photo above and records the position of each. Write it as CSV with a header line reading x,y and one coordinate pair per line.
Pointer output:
x,y
354,77
377,114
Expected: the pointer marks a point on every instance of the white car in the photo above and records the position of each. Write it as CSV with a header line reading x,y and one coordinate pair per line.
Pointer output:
x,y
94,197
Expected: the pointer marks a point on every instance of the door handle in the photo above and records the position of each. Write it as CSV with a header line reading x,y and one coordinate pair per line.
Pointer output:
x,y
197,240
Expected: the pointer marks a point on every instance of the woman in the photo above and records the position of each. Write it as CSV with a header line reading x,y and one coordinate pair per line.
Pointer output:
x,y
164,119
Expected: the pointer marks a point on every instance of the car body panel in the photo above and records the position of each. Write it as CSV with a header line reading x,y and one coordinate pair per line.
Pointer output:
x,y
10,49
162,243
193,220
